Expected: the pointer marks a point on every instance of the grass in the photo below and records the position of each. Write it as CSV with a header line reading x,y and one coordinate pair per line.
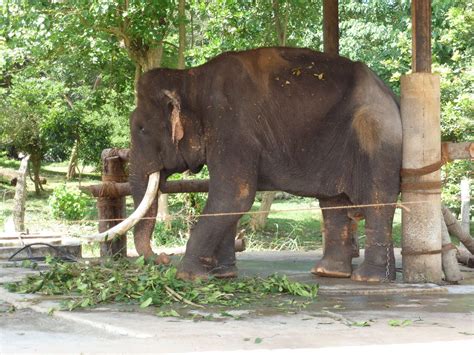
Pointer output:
x,y
285,230
37,215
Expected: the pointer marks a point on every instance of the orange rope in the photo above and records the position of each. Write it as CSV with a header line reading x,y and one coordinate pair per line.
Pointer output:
x,y
176,216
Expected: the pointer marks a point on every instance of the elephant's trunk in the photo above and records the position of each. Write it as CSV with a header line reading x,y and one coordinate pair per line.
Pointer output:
x,y
147,207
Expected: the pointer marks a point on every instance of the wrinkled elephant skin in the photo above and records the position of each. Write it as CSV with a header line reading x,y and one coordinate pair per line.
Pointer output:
x,y
282,119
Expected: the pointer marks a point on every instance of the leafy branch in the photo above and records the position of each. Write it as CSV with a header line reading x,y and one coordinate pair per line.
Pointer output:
x,y
147,284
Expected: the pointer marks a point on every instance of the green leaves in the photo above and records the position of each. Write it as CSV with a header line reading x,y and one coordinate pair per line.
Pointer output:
x,y
361,324
68,203
149,285
399,323
146,303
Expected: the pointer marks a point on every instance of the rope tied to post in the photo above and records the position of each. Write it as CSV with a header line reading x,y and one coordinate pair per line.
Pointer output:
x,y
431,168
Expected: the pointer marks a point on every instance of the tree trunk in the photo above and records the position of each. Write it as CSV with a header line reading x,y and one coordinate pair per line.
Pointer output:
x,y
281,23
72,166
20,196
146,59
36,164
259,220
448,257
455,228
465,258
182,33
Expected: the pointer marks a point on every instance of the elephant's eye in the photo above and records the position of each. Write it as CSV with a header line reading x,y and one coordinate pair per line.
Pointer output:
x,y
141,129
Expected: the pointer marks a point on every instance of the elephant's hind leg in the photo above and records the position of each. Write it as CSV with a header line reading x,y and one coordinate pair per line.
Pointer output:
x,y
379,262
337,258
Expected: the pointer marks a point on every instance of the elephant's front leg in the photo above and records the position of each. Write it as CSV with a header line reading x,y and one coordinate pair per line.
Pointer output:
x,y
212,239
224,255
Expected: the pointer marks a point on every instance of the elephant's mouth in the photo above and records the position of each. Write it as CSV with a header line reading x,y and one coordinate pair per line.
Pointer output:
x,y
134,218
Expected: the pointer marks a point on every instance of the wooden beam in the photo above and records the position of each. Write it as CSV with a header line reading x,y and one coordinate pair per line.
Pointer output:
x,y
331,26
118,189
454,151
463,150
421,36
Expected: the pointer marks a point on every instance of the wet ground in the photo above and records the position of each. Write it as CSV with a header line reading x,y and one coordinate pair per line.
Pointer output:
x,y
383,317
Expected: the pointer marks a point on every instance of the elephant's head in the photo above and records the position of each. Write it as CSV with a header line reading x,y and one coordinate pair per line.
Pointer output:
x,y
166,137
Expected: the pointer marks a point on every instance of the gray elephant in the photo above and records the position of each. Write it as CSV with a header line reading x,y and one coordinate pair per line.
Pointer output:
x,y
284,119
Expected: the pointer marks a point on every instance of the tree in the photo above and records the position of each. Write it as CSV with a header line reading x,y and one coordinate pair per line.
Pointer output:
x,y
25,113
35,46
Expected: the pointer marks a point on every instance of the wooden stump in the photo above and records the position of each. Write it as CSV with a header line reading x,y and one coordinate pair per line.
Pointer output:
x,y
421,183
112,209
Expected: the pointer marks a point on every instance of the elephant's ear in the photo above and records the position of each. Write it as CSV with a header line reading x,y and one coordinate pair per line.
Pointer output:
x,y
177,131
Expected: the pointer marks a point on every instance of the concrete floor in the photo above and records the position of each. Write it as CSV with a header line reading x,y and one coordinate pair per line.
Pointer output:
x,y
441,319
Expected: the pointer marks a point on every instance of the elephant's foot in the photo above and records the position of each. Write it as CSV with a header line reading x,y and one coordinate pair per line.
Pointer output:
x,y
373,273
193,274
225,271
162,259
331,267
193,270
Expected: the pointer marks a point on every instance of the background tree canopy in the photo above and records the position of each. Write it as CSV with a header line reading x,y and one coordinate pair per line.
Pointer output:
x,y
68,68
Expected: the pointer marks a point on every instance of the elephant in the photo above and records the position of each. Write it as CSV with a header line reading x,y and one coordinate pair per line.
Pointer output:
x,y
273,118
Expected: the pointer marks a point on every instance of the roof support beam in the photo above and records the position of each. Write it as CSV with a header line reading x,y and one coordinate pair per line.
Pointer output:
x,y
421,36
331,26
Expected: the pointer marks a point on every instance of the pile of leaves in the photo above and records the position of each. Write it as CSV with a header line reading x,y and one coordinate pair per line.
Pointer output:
x,y
137,282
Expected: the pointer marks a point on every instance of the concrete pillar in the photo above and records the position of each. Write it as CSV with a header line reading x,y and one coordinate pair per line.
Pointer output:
x,y
421,227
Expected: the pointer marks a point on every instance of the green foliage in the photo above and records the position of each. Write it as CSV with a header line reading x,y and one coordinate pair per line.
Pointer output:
x,y
361,324
70,204
399,323
43,45
226,25
26,110
88,52
147,284
452,175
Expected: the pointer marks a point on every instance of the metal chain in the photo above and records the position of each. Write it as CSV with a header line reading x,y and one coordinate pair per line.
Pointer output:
x,y
387,266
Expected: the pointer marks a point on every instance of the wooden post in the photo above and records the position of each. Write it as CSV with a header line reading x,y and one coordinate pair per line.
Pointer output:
x,y
112,208
421,36
420,111
421,226
331,26
449,259
465,204
455,228
331,46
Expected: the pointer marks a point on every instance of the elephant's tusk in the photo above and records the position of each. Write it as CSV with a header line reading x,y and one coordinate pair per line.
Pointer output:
x,y
134,218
